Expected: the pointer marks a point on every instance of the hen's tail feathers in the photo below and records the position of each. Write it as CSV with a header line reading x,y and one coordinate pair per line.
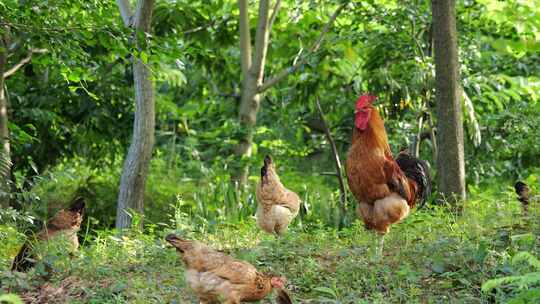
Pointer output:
x,y
24,259
283,297
417,170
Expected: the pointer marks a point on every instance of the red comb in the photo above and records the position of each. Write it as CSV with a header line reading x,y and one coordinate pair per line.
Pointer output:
x,y
365,100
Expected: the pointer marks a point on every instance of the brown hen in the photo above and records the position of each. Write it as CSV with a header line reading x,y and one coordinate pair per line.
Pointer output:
x,y
218,278
66,223
277,205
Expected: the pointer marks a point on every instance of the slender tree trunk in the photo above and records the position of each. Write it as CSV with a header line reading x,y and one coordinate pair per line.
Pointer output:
x,y
249,107
253,73
5,152
253,84
414,148
339,170
137,162
450,164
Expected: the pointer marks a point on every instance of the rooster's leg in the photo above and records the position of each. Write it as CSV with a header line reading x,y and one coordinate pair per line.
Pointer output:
x,y
380,247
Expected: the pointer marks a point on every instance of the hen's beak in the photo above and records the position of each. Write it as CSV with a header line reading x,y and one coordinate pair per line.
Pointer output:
x,y
179,243
171,238
78,205
267,160
264,168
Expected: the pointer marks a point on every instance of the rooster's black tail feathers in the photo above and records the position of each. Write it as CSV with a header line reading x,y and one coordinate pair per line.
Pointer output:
x,y
417,170
23,261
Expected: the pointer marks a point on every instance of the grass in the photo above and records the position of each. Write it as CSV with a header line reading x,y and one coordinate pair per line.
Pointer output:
x,y
434,256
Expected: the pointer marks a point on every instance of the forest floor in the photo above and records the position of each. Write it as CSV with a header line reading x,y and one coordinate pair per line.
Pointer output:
x,y
434,256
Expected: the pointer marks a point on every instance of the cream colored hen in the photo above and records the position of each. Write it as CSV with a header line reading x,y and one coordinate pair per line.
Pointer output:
x,y
218,278
277,205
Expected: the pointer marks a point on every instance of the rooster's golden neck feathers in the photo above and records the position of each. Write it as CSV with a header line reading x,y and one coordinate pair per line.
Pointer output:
x,y
374,135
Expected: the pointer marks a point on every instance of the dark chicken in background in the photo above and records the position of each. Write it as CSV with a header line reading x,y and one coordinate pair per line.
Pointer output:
x,y
385,188
523,191
66,223
215,276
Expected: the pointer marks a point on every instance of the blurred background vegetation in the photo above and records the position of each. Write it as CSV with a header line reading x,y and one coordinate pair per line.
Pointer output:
x,y
71,109
71,106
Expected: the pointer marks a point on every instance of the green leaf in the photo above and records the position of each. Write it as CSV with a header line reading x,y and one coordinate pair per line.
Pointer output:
x,y
74,77
144,57
10,299
94,96
326,290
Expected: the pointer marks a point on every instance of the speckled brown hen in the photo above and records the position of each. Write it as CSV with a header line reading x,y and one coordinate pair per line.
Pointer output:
x,y
218,278
66,223
277,205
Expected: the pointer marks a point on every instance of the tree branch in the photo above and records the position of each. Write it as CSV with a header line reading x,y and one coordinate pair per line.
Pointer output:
x,y
316,45
329,173
23,61
261,41
335,154
274,14
245,37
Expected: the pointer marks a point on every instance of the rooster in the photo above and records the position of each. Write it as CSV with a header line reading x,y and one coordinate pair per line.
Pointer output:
x,y
215,276
385,188
277,205
66,223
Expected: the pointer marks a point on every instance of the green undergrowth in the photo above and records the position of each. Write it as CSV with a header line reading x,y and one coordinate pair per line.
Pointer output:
x,y
434,256
206,195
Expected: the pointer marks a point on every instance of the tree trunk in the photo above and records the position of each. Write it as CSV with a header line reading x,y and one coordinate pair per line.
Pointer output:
x,y
5,152
252,73
249,107
137,162
450,164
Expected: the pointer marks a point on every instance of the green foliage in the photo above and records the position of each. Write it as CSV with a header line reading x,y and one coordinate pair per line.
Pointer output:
x,y
10,299
11,239
518,23
70,122
525,287
201,193
433,255
76,98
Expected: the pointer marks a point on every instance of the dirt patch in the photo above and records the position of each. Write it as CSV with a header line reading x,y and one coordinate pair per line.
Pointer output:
x,y
61,292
